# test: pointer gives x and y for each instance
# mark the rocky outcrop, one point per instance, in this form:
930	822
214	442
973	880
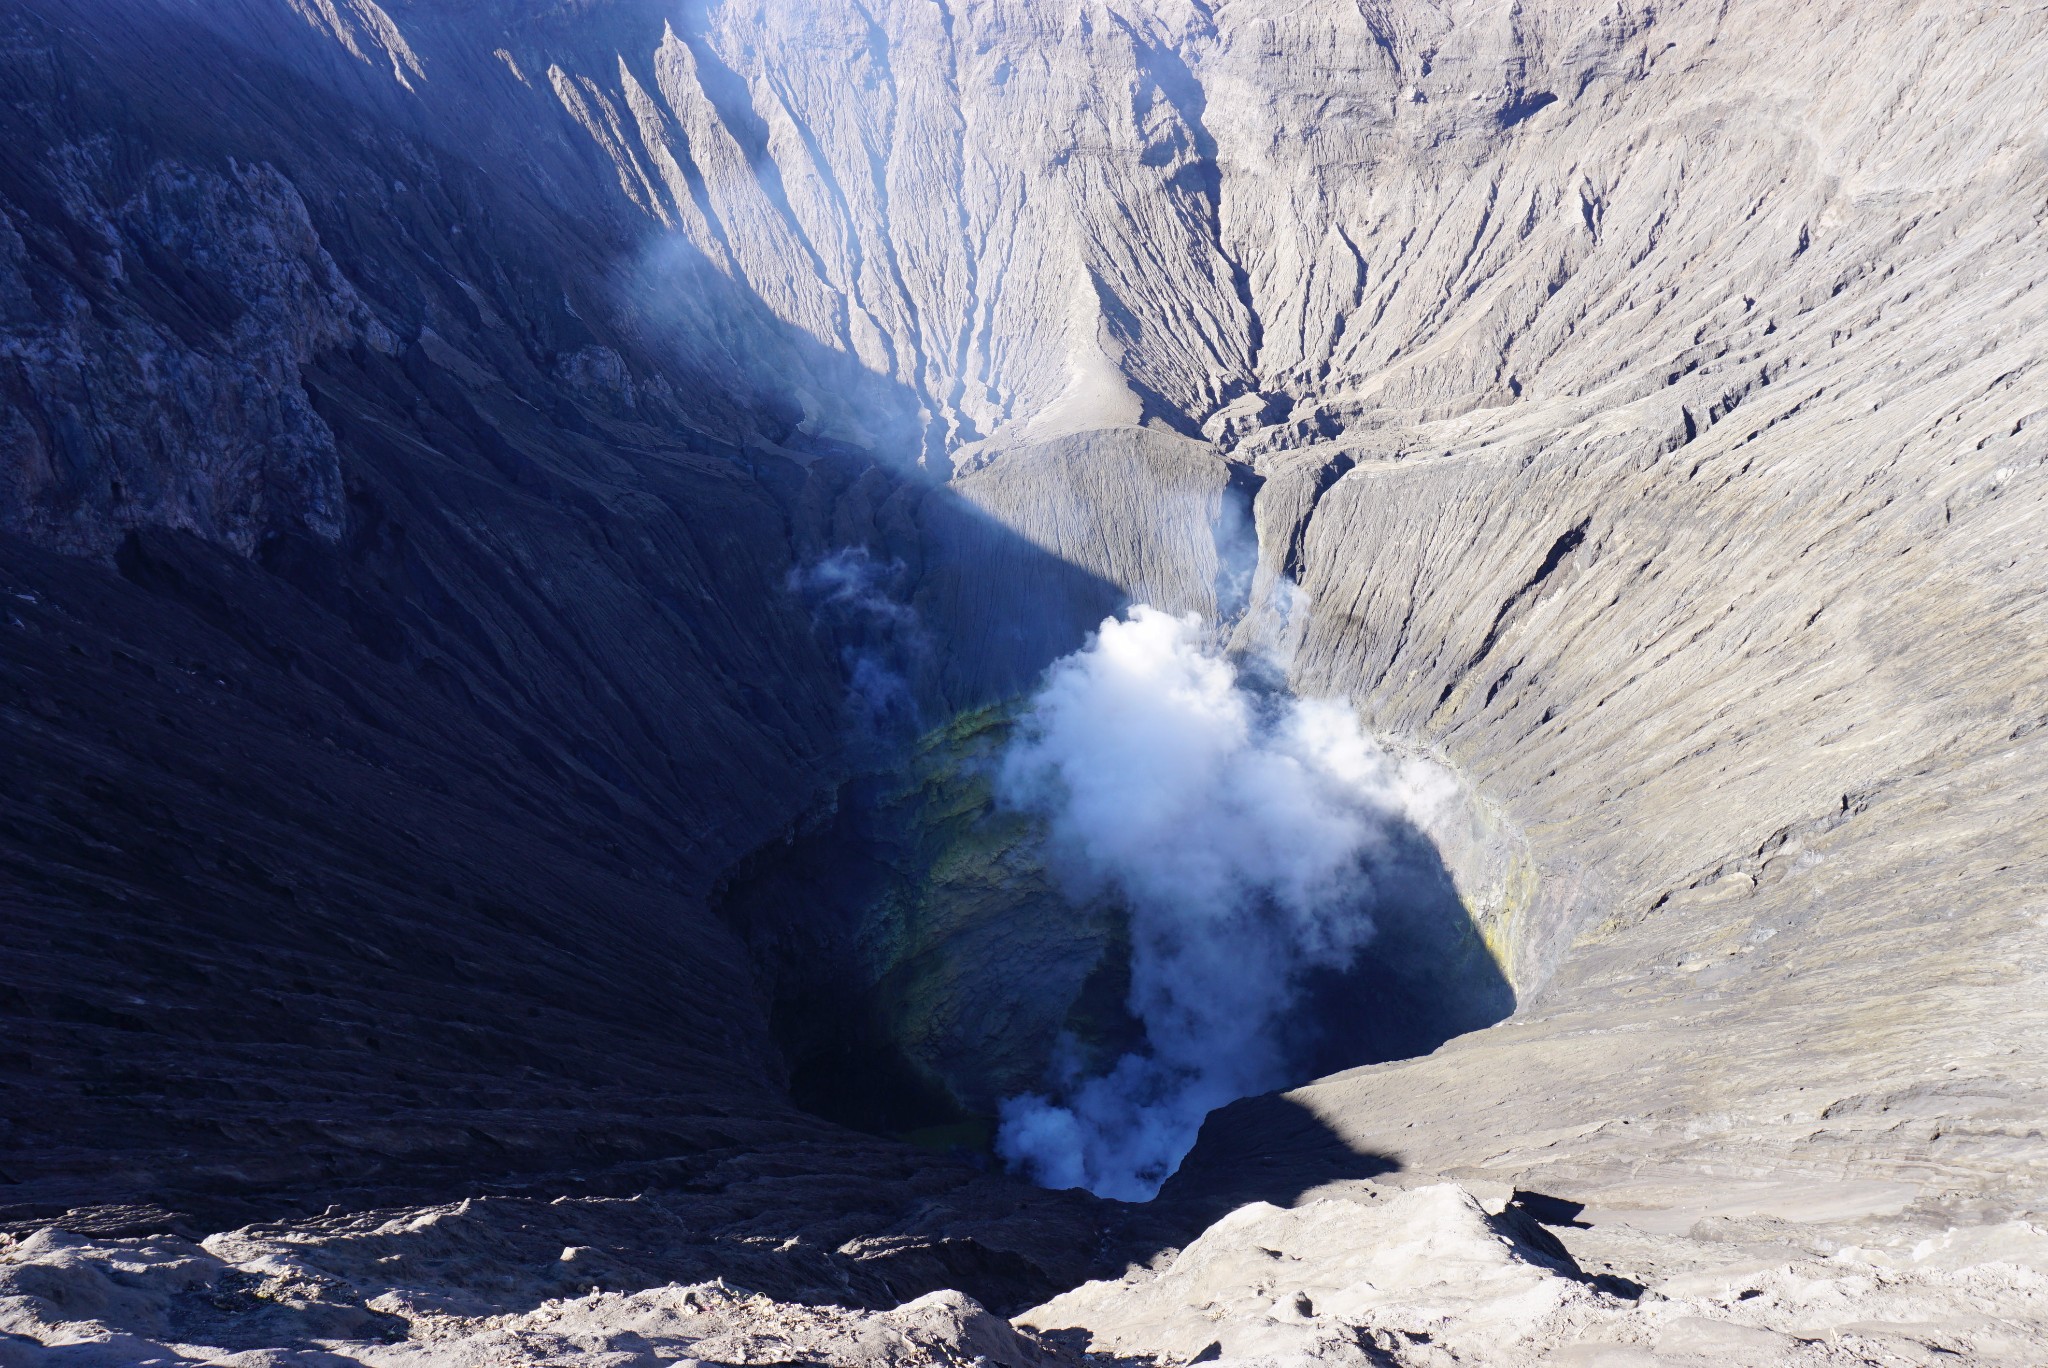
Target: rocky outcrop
244	1301
1369	1274
1433	1274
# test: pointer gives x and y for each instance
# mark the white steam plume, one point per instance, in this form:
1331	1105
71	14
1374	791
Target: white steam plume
1237	825
883	644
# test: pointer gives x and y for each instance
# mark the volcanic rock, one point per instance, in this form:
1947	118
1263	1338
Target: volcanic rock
418	421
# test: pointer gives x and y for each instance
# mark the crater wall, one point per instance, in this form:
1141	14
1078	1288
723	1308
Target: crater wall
415	413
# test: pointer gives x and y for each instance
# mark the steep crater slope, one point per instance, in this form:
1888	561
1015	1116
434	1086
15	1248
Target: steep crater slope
392	666
1649	407
415	415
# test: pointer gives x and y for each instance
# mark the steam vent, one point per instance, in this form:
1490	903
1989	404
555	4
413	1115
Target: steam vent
1023	683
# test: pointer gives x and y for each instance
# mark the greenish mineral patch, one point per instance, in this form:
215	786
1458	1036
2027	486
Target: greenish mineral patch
924	963
956	954
979	958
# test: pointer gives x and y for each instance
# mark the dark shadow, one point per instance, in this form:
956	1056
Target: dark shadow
1524	107
1269	1148
1424	978
1274	1149
1551	1211
374	870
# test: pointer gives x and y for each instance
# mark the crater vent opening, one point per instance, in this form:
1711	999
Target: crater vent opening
930	957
